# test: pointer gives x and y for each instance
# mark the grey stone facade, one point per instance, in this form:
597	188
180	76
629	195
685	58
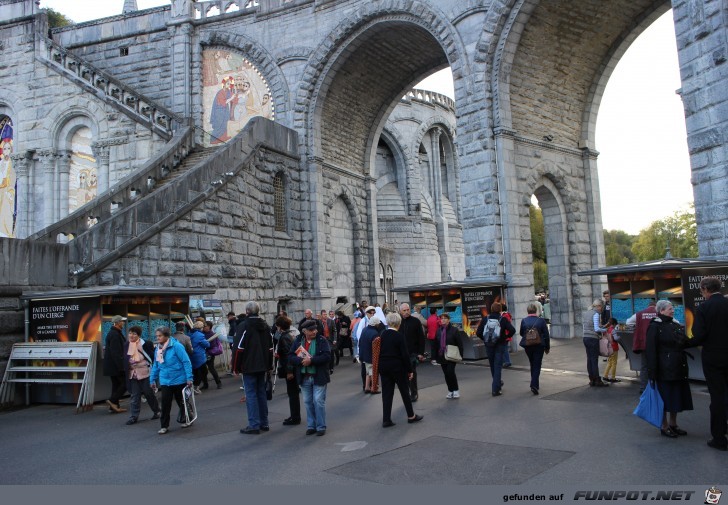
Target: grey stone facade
428	189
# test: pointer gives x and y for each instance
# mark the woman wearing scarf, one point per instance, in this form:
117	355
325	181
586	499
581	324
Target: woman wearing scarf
200	345
137	365
172	370
446	335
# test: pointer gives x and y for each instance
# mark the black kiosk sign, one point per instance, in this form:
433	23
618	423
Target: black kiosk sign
692	298
65	320
476	305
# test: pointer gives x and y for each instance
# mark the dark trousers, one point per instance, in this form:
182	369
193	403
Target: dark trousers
211	368
334	355
363	375
592	357
448	368
200	374
716	377
535	358
141	387
345	343
294	401
413	381
169	392
434	349
389	379
118	388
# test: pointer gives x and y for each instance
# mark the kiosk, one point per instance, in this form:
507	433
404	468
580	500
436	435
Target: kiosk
632	287
84	315
466	303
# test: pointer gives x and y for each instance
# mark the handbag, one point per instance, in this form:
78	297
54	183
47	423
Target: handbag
215	347
651	406
452	353
605	348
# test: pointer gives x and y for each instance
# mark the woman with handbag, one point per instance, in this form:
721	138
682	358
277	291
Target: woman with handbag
667	366
395	368
138	367
447	336
286	337
536	341
215	349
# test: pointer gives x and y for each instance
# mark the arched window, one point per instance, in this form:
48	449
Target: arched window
279	202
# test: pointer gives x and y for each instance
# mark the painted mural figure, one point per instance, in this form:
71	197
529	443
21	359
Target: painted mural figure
222	109
7	180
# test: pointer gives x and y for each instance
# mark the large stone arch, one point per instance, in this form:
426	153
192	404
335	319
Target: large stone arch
258	56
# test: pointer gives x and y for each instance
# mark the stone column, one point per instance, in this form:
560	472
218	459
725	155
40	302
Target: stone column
376	292
180	32
436	169
596	234
102	154
64	168
314	233
47	159
21	162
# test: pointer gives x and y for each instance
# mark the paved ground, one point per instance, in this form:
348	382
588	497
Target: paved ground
570	434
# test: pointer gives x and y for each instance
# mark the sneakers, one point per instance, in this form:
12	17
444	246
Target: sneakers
186	425
455	395
449	396
163	431
434	362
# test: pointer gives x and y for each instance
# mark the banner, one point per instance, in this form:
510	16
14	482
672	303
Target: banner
691	278
65	320
476	304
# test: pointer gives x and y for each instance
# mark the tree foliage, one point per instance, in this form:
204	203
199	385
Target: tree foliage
56	19
679	230
538	248
618	247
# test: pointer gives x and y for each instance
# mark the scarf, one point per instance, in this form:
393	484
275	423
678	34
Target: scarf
443	340
160	352
133	352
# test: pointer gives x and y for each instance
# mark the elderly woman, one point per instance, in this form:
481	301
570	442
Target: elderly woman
137	366
535	352
592	331
286	336
667	365
172	370
395	368
446	335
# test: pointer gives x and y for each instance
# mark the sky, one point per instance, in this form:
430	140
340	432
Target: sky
640	134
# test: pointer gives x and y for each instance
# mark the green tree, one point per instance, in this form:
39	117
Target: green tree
679	230
618	247
538	248
56	19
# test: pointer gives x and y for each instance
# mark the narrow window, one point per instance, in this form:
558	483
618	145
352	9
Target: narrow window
279	203
123	51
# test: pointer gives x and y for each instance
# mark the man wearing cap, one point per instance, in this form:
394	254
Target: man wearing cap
114	363
310	354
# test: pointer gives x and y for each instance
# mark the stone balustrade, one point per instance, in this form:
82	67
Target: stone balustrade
206	9
432	97
139	108
123	194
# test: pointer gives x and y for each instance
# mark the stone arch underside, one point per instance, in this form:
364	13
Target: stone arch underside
340	253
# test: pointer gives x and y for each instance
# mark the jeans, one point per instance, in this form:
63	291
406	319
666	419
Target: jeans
535	358
256	402
495	359
592	357
314	398
507	354
169	392
141	387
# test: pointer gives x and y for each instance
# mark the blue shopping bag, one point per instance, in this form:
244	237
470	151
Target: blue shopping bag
651	406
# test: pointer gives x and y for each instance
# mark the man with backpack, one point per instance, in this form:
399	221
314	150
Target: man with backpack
495	330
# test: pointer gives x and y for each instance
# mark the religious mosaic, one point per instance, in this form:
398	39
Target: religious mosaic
233	91
8	181
82	178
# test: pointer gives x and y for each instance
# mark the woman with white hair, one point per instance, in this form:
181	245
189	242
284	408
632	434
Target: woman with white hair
667	366
592	331
395	368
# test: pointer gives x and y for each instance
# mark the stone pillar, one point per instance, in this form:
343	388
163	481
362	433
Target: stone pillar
701	28
596	233
314	234
21	162
180	32
102	153
47	159
435	168
376	293
64	168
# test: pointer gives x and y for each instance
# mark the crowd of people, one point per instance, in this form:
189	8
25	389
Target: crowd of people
390	344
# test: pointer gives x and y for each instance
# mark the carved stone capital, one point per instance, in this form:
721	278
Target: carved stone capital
21	162
102	152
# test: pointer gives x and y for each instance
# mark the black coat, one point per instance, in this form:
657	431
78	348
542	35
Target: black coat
666	359
452	337
114	352
393	352
285	341
414	337
253	346
710	328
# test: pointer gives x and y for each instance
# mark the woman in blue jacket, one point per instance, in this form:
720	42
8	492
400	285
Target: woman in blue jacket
171	370
199	354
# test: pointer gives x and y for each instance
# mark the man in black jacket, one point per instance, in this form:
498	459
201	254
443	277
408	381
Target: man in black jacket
114	363
254	358
710	330
309	317
414	337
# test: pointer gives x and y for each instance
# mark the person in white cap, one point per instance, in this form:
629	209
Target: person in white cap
114	363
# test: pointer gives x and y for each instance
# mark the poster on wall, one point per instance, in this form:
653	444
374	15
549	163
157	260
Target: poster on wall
65	320
691	278
233	91
8	181
82	177
476	305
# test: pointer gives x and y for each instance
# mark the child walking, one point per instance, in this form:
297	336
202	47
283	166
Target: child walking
612	360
